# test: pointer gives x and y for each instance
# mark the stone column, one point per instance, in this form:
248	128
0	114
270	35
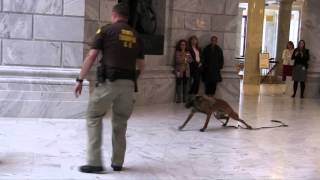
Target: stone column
310	33
253	45
283	31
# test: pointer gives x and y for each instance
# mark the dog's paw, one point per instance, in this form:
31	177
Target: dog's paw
249	127
202	130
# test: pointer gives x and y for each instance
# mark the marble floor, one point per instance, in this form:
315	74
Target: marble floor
54	148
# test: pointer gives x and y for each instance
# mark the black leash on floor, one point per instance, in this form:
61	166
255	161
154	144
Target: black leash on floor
281	124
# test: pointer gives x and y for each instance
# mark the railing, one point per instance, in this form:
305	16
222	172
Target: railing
265	72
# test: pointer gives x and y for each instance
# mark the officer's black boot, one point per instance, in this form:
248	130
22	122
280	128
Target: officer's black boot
302	86
116	168
91	169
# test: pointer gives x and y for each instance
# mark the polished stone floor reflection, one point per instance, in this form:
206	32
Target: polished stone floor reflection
54	148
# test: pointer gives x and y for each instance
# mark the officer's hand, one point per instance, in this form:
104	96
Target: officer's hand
77	89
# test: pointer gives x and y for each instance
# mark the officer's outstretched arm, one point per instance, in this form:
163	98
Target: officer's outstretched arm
88	62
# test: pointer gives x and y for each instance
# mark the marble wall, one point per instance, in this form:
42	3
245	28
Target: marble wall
41	50
310	32
34	32
42	44
205	18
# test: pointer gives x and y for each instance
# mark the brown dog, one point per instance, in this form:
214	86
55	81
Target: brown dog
209	106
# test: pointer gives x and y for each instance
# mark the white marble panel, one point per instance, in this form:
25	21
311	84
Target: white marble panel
230	41
70	28
37	53
170	55
229	58
13	95
203	36
310	32
177	19
31	71
228	89
224	23
92	9
232	7
38	86
106	9
33	6
312	86
72	54
177	34
206	38
44	109
200	6
15	26
73	7
0	51
195	21
157	91
90	29
155	60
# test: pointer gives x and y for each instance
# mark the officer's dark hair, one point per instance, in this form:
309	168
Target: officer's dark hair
121	9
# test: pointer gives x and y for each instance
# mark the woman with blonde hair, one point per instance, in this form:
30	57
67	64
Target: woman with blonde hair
286	58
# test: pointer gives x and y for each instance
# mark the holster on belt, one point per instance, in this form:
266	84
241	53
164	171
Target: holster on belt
137	74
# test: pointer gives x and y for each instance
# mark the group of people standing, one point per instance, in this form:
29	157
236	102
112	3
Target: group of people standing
193	64
295	63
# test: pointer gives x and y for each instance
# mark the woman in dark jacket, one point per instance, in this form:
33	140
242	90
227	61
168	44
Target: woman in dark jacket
299	73
195	71
212	64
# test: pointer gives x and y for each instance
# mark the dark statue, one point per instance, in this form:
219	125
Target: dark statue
142	16
143	19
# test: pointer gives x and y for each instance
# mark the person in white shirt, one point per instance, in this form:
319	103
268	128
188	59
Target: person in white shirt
287	62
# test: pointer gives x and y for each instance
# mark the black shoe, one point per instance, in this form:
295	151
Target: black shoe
293	96
301	96
91	169
116	168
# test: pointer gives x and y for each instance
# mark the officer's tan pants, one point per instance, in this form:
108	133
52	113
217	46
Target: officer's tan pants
119	95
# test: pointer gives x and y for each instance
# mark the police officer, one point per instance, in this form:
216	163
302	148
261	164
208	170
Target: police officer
121	52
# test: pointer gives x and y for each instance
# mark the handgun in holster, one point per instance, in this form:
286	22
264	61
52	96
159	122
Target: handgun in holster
101	72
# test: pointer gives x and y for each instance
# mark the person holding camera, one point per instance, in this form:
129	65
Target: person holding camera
182	71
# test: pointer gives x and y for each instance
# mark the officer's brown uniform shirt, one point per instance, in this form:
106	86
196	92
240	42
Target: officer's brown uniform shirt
120	45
